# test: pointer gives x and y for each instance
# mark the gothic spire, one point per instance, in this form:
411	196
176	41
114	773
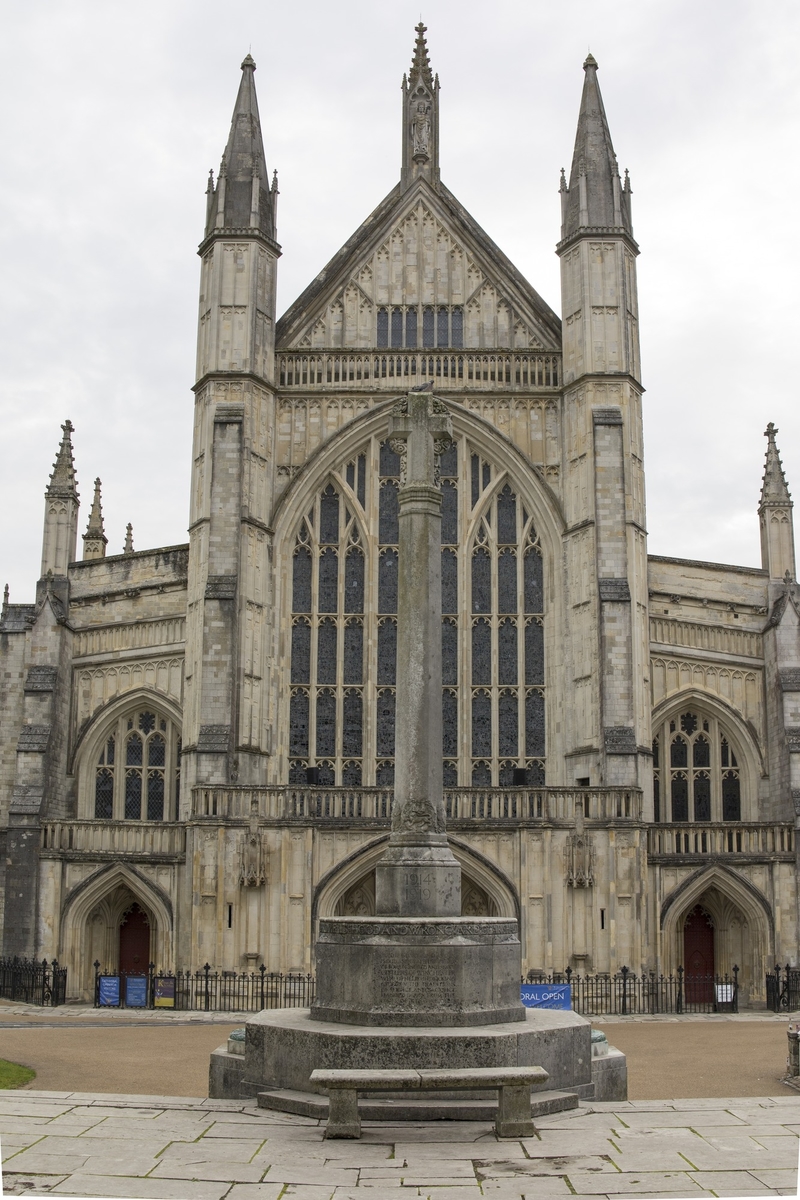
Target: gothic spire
774	490
420	117
63	482
242	198
596	197
128	547
95	540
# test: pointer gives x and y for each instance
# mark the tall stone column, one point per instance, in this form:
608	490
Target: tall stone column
419	875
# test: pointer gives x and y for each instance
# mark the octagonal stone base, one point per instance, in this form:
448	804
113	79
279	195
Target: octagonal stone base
283	1046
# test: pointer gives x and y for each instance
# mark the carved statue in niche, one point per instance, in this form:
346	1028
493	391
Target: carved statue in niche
580	861
253	869
421	128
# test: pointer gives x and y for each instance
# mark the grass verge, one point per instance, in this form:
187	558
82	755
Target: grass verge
12	1075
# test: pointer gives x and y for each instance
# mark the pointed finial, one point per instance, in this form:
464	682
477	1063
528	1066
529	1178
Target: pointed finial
247	61
95	540
62	479
96	515
5	599
275	182
128	547
590	61
210	187
626	187
420	64
774	489
563	185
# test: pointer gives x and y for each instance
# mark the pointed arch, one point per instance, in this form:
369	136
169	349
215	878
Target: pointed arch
732	900
97	894
314	732
732	723
106	720
475	866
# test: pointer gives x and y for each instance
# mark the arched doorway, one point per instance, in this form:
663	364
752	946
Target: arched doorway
115	915
134	941
698	955
741	925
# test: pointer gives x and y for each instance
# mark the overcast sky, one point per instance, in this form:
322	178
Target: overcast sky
113	113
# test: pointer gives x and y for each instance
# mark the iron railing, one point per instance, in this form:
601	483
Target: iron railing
783	989
462	804
394	369
205	990
33	982
627	994
622	993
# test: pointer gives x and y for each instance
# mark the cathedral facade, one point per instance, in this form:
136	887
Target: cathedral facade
197	752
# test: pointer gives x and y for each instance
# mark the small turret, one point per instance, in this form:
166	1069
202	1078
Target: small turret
95	540
596	197
62	501
420	117
775	514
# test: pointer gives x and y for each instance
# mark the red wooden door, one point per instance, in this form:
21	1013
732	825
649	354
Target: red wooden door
134	942
698	956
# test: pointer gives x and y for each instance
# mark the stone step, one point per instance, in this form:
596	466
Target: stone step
309	1104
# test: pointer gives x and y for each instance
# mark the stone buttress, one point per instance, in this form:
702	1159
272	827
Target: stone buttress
226	726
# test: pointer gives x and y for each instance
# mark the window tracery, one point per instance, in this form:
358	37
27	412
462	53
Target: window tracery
137	770
696	774
343	643
397	327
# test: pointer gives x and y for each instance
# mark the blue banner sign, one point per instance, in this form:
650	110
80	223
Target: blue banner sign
136	991
546	995
109	991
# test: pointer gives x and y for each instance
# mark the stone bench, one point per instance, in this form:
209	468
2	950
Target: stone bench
513	1085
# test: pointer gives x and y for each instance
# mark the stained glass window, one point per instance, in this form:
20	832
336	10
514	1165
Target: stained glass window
343	646
700	779
146	783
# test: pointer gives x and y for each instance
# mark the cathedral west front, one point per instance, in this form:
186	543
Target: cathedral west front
197	752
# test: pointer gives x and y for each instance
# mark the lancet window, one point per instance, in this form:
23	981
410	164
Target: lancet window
343	654
327	651
432	326
137	770
696	772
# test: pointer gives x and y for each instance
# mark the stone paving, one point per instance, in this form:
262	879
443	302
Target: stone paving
162	1148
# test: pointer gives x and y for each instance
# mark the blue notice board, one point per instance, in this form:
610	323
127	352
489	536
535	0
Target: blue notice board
547	995
136	991
109	991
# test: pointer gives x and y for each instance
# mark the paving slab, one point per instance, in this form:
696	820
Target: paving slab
27	1185
189	1149
255	1191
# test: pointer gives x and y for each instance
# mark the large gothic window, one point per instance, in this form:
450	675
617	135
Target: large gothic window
696	774
137	771
344	627
327	651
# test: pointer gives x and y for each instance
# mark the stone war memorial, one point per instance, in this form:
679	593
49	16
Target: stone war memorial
412	714
405	996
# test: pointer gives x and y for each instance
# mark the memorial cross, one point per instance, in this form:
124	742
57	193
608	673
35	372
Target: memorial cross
419	875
